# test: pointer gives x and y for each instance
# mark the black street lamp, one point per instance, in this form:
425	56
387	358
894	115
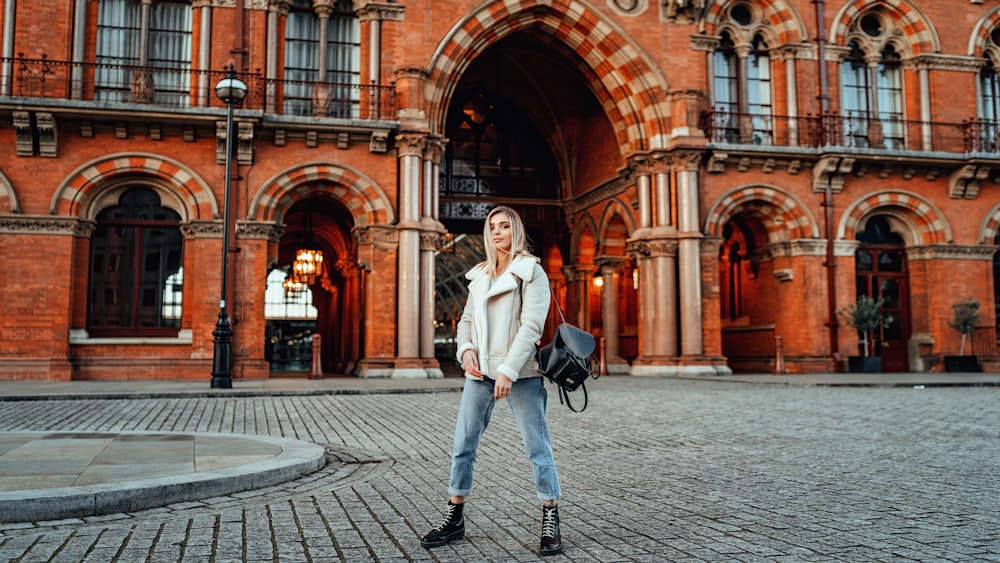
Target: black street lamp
230	90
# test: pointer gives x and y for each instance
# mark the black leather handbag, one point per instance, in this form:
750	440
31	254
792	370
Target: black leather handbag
568	360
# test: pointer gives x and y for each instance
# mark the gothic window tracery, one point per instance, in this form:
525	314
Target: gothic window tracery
330	89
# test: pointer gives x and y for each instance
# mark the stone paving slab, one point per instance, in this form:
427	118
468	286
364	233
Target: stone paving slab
57	475
656	469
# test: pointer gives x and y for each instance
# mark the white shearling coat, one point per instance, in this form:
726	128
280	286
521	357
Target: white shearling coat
504	341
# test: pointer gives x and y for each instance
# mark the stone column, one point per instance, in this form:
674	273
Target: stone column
430	238
610	271
205	87
276	11
79	46
689	252
410	149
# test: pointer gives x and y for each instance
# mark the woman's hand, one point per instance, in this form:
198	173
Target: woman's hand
501	388
470	363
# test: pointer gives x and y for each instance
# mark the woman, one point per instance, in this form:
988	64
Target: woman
503	319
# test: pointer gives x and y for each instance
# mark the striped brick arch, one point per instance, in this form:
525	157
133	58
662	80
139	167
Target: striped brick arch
627	85
85	183
928	221
781	21
981	33
915	26
781	214
615	226
8	198
362	197
991	226
584	240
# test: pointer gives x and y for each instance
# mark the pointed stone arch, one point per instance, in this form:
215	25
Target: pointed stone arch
782	214
928	223
79	190
627	84
918	33
610	233
585	227
779	21
362	196
8	197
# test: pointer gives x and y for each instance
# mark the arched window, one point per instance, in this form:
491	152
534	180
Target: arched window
742	91
986	134
120	25
332	90
136	275
872	99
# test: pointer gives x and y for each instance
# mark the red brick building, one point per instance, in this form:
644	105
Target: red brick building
708	183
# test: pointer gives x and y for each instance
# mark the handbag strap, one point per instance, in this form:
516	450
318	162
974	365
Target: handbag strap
562	318
564	393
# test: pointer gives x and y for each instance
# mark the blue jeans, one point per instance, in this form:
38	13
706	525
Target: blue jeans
527	402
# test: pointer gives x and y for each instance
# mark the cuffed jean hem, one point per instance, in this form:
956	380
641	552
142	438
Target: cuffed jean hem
527	402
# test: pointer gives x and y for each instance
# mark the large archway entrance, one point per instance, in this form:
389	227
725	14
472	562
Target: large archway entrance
297	308
519	120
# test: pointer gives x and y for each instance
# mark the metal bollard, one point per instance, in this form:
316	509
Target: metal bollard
779	356
317	359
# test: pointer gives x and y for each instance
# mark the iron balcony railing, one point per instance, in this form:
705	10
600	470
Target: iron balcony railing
853	130
108	85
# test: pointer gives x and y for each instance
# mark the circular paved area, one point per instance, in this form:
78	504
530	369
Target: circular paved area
654	470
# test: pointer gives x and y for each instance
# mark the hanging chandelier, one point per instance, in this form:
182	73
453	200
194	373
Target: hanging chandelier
292	287
308	266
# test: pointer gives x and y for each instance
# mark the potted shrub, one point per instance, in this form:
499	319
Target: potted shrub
866	316
965	317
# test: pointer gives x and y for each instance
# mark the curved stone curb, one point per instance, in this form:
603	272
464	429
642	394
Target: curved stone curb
297	458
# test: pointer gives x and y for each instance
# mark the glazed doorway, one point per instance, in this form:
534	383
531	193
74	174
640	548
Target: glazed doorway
881	272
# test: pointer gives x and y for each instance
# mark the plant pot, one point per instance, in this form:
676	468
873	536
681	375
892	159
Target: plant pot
961	363
864	364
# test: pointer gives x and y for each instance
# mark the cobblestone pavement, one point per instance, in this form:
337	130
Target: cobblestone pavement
653	470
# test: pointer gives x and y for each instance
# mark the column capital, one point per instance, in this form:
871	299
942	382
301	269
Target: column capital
434	149
368	10
609	264
411	144
649	163
281	7
578	272
685	161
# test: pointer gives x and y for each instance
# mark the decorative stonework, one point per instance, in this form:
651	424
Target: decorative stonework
379	142
964	183
831	170
46	125
429	240
244	143
45	225
259	230
792	248
377	235
23	137
606	191
683	11
984	252
202	229
410	144
368	10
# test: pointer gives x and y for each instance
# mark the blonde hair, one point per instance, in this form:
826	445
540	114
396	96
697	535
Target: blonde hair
519	240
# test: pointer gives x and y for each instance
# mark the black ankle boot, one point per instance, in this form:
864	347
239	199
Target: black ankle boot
451	528
551	538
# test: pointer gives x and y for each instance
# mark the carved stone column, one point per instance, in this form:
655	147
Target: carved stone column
578	282
689	252
610	271
410	149
275	9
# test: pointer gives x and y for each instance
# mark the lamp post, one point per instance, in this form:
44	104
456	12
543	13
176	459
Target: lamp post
230	90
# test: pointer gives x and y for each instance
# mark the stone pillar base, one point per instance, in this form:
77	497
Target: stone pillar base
678	366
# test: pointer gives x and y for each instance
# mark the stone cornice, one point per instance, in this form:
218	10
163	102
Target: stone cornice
937	61
202	229
45	225
601	193
369	10
800	247
259	230
952	252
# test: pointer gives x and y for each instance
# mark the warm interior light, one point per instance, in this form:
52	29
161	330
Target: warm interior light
308	266
292	287
598	281
635	278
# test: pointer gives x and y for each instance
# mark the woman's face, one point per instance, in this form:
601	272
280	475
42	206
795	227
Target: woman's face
500	231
